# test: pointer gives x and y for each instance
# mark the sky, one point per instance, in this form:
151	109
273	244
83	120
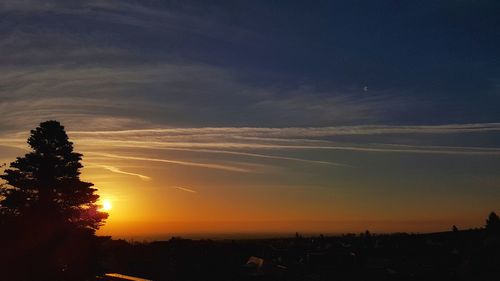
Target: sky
203	117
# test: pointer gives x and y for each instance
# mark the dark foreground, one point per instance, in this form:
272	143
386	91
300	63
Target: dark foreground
459	255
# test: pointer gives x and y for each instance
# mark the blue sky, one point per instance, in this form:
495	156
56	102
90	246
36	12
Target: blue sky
268	63
379	92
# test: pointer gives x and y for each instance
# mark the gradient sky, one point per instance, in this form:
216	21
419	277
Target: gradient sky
264	116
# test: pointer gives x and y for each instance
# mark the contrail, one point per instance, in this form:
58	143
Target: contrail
185	163
184	189
117	170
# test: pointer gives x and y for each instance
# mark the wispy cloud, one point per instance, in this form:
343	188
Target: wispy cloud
105	89
119	171
214	147
259	156
14	143
148	94
293	132
211	148
247	141
231	140
177	162
184	189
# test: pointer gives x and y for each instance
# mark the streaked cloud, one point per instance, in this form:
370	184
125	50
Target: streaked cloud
177	162
294	132
184	189
116	96
119	171
253	141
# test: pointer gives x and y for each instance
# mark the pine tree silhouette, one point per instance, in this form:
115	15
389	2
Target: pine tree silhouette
493	223
48	215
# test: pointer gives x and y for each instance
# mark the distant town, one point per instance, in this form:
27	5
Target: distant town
472	254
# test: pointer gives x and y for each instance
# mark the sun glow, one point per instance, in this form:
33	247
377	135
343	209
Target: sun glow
106	205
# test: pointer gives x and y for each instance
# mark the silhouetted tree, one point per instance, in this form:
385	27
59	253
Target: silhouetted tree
49	216
454	228
493	223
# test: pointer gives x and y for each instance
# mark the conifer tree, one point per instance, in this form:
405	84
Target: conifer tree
48	216
46	182
493	223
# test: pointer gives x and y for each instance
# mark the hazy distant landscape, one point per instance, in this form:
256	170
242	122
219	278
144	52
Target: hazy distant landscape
456	255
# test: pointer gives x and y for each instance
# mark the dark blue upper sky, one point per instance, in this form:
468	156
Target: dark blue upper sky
439	59
432	62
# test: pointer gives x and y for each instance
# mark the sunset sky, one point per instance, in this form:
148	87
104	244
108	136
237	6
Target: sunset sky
197	118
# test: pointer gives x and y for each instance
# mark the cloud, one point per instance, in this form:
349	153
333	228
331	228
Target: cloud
258	155
145	59
214	147
155	16
55	72
119	171
199	148
27	5
177	162
305	132
106	86
169	93
14	143
184	189
251	141
70	94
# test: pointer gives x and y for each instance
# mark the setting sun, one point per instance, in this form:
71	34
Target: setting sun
106	205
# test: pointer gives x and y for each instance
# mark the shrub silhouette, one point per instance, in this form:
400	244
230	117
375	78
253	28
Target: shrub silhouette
48	216
493	223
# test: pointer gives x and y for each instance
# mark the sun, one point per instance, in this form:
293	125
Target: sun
106	205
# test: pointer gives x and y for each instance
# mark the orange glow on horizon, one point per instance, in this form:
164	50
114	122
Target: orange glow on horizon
156	200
